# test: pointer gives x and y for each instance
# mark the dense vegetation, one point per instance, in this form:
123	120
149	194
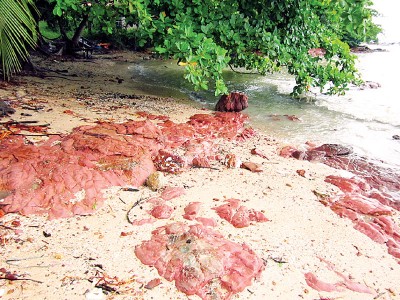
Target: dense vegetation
207	36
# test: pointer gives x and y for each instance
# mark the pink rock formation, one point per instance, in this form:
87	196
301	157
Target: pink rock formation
200	260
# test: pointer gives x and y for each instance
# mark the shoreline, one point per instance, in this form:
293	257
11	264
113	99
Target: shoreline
68	256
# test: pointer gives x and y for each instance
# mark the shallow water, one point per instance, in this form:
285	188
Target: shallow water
363	119
366	119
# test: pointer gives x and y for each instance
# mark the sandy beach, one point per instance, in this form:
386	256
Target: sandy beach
93	256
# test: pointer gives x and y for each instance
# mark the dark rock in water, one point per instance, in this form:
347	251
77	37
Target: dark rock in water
333	150
233	102
380	178
321	152
309	155
396	137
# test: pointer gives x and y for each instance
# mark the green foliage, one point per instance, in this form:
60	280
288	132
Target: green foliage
47	32
206	36
17	34
351	20
258	35
102	14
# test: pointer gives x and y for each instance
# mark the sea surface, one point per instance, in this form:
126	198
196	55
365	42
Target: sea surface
365	120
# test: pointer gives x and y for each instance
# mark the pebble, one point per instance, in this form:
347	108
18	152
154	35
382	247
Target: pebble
156	181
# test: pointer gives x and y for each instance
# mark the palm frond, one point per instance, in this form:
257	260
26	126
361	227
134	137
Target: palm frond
17	34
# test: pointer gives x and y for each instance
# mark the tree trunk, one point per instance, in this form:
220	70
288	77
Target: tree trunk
79	30
61	25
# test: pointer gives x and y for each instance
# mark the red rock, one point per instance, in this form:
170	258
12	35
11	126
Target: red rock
201	162
156	201
393	248
245	134
124	233
223	124
385	198
170	193
95	157
253	167
388	225
371	231
176	135
239	216
232	161
363	205
370	194
146	128
233	102
170	163
383	179
153	283
191	210
258	152
143	221
257	216
287	151
354	286
302	173
200	260
345	212
69	112
162	211
206	221
228	210
333	150
348	185
319	285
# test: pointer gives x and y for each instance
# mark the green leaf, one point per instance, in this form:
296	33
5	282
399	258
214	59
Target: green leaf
57	11
160	50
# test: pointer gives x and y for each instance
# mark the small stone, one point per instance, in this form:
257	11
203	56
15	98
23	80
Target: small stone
253	167
46	234
232	161
156	181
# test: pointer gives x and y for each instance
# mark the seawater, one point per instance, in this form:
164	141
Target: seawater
365	120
